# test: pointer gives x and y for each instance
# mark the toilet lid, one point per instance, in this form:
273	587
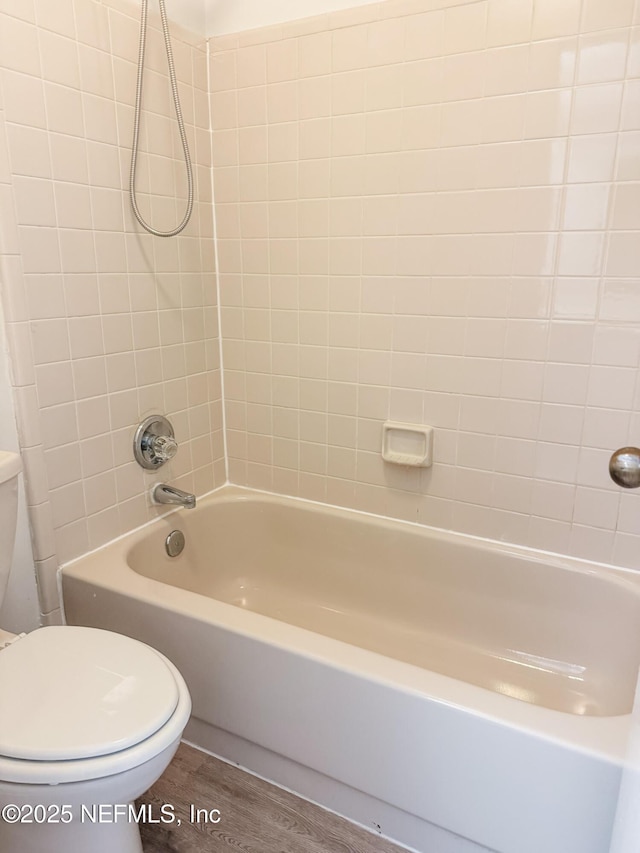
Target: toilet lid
70	692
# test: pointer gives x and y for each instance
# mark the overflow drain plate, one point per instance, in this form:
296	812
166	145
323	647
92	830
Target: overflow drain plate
174	543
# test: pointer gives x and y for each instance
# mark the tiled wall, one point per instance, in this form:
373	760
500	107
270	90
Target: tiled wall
429	211
105	324
426	211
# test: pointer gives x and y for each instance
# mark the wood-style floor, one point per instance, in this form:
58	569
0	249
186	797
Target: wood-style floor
255	817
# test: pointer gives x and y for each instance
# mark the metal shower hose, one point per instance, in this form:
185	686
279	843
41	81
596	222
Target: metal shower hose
136	123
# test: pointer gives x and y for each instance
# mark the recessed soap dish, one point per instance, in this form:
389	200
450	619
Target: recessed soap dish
407	444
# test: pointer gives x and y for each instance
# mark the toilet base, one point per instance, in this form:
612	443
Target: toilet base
74	837
102	812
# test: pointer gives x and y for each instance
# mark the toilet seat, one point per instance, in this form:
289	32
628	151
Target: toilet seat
134	704
71	692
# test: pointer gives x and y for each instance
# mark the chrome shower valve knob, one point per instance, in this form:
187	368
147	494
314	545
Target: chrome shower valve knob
164	447
154	442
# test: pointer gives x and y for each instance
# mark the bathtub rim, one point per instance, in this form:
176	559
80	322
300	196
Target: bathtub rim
107	568
231	492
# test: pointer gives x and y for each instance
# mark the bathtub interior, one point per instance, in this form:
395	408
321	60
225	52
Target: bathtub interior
555	634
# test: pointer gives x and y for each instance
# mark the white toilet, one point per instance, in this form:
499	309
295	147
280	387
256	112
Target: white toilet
89	720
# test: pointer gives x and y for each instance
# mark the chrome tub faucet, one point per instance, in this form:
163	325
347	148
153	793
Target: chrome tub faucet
163	494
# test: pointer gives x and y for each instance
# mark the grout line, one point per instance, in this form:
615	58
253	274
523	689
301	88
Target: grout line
223	404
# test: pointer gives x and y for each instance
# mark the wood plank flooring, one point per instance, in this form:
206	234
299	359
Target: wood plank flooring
255	816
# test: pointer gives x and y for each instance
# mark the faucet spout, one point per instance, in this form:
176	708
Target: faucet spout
163	494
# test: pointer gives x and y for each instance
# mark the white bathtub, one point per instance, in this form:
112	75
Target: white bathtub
452	693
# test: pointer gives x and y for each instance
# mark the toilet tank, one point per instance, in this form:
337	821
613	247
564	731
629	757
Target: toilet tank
10	467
